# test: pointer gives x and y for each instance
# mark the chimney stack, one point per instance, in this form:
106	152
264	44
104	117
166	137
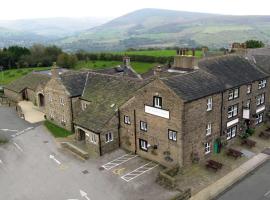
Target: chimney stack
185	61
157	71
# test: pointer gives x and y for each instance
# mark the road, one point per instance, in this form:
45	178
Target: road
33	166
254	187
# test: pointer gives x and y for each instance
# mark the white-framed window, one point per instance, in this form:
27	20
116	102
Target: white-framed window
233	94
84	106
143	126
50	97
259	118
249	88
209	129
260	99
51	114
231	132
232	111
248	104
63	119
127	119
108	137
172	135
61	101
143	145
93	138
207	148
262	84
209	104
157	102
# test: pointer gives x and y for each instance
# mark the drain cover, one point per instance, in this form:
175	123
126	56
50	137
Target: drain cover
85	171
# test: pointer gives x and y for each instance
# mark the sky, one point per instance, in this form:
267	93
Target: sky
25	9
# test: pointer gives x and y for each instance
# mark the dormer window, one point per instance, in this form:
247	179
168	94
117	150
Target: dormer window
157	101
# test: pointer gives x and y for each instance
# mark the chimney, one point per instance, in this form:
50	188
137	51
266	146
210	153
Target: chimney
157	71
126	61
185	61
55	71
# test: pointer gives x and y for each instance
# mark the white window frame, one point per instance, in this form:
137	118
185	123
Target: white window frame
209	104
108	137
63	119
233	111
172	135
233	94
209	129
231	132
248	103
62	101
157	102
207	148
143	126
93	138
127	119
143	145
262	84
249	88
259	118
51	114
50	97
260	99
84	106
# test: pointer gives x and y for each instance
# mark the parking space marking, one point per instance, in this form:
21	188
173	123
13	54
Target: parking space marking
139	171
119	171
267	194
17	146
118	161
21	132
8	130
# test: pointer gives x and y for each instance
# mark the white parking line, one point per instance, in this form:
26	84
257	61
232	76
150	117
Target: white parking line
21	132
139	171
267	194
8	130
118	161
17	146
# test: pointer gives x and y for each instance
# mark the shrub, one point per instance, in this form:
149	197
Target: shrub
250	131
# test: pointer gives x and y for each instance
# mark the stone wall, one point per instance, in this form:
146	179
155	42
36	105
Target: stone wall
12	96
196	120
162	150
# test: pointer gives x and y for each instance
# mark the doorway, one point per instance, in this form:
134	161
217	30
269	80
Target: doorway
24	95
81	135
41	100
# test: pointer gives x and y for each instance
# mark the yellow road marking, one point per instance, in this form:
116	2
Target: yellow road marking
119	171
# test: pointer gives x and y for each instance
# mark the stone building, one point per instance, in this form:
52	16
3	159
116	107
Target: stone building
177	120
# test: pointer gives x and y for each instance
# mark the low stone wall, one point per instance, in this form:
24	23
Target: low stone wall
167	179
183	195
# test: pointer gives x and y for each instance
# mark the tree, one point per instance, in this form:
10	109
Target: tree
67	61
254	44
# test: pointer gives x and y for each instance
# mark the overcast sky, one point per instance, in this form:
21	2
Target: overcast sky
20	9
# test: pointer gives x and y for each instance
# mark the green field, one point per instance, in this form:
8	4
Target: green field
156	53
139	67
13	74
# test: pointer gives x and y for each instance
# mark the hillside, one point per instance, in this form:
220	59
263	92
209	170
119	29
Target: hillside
161	28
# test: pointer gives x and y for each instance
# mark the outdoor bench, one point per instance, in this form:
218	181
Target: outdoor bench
248	142
234	153
214	165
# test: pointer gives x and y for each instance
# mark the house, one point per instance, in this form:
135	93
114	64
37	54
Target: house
98	123
180	119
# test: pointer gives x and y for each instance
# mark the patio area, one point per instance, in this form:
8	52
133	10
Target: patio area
30	112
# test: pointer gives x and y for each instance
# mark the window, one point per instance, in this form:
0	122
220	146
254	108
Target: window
233	94
209	103
249	89
51	115
248	104
61	101
63	120
50	97
209	129
143	145
84	105
232	111
143	126
231	132
126	119
259	118
172	135
260	99
108	137
207	148
262	84
93	138
157	102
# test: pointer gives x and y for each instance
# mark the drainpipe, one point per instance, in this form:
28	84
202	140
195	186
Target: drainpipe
135	131
71	109
100	154
221	117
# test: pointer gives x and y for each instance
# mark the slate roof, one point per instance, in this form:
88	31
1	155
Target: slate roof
105	94
260	57
215	75
119	71
31	81
74	82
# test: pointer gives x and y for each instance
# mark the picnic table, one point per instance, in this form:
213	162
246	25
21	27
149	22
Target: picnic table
265	134
248	142
214	165
234	153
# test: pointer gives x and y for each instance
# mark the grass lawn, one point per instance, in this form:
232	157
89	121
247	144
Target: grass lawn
57	131
8	76
156	53
139	67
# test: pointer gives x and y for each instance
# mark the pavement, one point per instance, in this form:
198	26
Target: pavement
31	112
33	166
231	178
